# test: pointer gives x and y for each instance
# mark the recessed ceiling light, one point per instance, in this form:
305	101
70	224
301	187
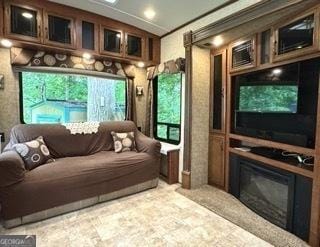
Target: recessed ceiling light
149	13
217	41
6	43
111	1
140	64
86	55
27	15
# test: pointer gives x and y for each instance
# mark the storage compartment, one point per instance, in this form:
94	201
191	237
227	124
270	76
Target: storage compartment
134	46
23	23
88	35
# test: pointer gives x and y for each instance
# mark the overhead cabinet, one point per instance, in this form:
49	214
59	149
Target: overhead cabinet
111	42
243	54
88	36
23	22
59	30
31	23
135	46
297	37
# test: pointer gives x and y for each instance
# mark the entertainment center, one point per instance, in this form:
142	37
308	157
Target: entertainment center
264	139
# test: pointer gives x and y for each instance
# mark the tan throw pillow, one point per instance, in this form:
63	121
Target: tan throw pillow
34	153
123	142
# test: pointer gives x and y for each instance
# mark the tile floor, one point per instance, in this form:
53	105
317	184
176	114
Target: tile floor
157	217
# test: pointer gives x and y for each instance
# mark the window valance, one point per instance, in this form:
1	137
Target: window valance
26	57
170	67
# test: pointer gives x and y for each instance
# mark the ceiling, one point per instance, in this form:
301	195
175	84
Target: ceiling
170	14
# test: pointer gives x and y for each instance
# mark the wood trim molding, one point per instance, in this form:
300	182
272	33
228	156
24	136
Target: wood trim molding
314	238
260	9
186	181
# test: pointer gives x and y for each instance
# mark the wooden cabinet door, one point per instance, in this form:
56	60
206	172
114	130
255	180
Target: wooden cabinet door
59	30
297	37
218	91
216	169
111	41
23	22
243	54
135	46
153	50
88	36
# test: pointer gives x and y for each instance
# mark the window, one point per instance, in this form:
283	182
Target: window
167	107
65	98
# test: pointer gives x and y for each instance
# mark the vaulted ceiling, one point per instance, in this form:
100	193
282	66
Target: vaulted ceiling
170	14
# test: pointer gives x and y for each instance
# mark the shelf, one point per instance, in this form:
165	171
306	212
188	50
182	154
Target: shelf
274	163
272	144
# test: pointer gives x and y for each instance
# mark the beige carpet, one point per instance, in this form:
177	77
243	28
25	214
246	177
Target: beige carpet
233	210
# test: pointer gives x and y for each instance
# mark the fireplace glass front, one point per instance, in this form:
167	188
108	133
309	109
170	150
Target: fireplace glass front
267	193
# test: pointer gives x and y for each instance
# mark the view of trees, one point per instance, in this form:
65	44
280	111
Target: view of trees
169	104
42	87
269	98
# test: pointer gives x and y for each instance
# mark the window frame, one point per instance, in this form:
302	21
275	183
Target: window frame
155	114
21	106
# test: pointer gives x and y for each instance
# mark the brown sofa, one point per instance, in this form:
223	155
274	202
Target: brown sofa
86	171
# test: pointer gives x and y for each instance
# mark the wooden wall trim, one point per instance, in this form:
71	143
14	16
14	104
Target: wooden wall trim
258	10
314	239
188	112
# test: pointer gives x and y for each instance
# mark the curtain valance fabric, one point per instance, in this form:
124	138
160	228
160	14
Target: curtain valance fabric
26	57
170	67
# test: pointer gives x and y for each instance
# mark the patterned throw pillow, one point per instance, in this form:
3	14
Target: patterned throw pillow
123	142
34	153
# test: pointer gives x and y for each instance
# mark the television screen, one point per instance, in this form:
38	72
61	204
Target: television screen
268	98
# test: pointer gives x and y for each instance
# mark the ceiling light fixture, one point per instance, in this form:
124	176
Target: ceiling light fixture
27	15
86	55
111	1
149	13
217	41
140	64
6	43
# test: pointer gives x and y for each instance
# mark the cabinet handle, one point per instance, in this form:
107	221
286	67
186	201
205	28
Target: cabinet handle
47	33
275	48
121	48
39	31
126	48
221	146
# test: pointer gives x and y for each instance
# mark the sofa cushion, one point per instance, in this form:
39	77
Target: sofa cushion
34	153
123	142
76	178
62	143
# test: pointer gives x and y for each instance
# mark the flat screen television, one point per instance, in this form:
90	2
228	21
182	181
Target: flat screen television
278	104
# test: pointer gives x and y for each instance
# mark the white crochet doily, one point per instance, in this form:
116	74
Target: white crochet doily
82	128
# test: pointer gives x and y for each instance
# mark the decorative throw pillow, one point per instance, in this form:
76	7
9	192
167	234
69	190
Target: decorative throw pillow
123	142
34	153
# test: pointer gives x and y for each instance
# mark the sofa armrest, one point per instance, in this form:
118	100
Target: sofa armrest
147	144
12	168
